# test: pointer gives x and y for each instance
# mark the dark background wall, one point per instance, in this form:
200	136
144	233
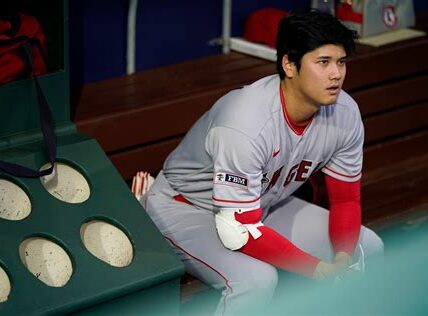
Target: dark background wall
167	32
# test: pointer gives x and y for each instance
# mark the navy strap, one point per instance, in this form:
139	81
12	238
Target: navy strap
47	126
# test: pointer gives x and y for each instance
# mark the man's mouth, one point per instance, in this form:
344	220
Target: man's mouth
333	89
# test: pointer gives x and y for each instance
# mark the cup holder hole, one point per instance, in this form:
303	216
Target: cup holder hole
46	260
107	242
66	183
5	286
14	202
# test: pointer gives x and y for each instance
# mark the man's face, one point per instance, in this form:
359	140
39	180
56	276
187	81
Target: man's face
321	74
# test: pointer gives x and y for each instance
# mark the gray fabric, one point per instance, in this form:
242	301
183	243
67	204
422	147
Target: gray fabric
246	284
247	134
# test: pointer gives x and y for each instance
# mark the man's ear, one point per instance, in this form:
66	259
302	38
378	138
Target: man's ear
288	67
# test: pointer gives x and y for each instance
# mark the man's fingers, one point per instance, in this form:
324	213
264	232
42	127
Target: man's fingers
141	183
133	186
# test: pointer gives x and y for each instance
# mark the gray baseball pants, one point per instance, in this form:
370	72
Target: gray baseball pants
245	283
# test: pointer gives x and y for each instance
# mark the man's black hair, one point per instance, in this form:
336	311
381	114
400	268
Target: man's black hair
300	33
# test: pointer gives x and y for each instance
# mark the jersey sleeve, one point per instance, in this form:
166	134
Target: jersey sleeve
347	161
237	170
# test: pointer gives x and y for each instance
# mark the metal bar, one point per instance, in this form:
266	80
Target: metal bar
227	16
130	49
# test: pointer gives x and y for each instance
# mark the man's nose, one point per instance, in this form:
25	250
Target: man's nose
335	72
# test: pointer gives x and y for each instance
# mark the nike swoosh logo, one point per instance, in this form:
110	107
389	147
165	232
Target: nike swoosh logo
275	153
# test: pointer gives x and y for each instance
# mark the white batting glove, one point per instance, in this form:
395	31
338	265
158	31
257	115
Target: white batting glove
141	183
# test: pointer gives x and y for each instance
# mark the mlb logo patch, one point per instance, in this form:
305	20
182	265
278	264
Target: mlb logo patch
230	179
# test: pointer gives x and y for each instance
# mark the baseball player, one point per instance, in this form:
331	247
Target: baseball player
224	199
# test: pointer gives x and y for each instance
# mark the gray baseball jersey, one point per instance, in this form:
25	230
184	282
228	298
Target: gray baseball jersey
244	152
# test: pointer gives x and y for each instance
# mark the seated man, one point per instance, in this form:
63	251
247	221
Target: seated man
224	199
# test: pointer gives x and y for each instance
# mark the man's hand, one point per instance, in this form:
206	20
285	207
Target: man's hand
325	270
342	260
141	183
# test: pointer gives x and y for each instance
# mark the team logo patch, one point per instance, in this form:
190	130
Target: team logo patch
389	16
231	179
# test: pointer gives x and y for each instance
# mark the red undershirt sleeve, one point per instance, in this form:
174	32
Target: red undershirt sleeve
345	213
273	248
